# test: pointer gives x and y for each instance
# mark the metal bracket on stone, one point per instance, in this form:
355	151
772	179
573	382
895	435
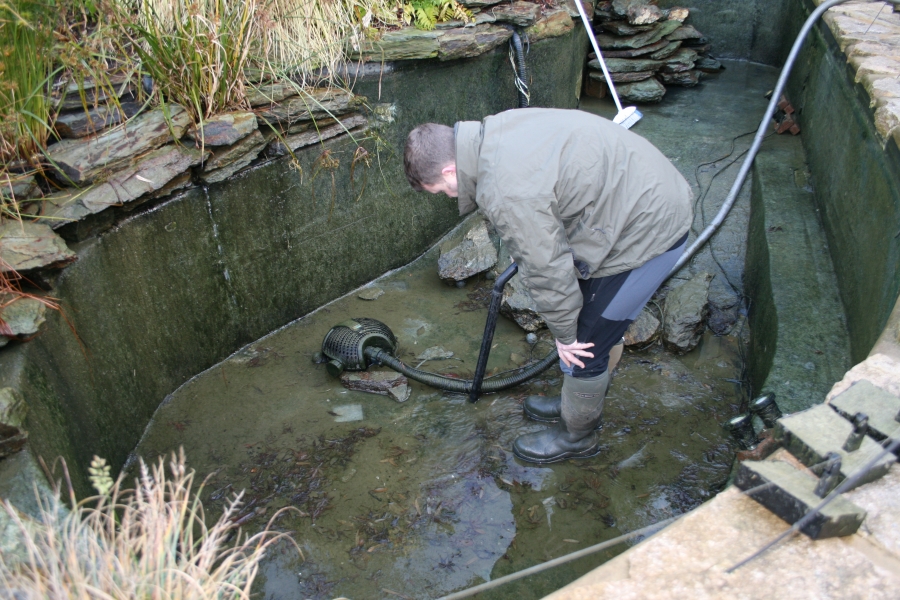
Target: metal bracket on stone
791	494
814	433
881	407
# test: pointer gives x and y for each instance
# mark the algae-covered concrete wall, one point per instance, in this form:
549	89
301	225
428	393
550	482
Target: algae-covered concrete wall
856	175
753	30
176	288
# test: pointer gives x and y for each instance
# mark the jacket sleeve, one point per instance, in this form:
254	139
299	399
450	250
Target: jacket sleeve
534	234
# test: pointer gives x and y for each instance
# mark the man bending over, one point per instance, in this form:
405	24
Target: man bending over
595	217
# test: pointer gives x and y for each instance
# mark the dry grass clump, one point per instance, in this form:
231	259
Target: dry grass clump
150	542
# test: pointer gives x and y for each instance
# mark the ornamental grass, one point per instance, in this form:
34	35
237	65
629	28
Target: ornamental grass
149	542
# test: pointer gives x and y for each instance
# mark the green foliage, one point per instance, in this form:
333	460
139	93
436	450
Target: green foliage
24	76
427	13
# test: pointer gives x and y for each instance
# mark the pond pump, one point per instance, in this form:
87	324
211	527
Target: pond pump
355	344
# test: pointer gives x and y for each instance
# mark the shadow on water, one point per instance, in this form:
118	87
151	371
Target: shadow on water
422	498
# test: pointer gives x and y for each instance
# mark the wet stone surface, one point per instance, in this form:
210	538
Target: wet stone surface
424	498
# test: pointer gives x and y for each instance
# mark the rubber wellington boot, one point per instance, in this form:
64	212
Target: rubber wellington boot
546	409
574	436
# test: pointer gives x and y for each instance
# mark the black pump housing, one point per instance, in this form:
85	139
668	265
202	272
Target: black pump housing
346	342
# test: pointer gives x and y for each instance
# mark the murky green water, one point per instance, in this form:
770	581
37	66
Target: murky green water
422	498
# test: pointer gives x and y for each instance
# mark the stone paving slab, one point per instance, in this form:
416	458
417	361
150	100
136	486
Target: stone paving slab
791	496
878	405
689	558
869	34
810	435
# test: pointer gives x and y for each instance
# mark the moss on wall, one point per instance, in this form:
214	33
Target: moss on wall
857	182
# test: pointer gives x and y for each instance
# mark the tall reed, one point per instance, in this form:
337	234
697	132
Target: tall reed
150	542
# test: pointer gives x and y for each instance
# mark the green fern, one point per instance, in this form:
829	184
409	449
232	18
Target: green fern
425	14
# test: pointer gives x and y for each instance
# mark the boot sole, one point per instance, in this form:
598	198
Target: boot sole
589	453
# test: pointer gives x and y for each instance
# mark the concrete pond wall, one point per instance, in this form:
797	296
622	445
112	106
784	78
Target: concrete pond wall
171	290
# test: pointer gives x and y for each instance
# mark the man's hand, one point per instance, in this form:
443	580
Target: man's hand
569	352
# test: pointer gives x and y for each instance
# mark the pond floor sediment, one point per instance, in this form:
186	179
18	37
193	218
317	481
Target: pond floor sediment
423	498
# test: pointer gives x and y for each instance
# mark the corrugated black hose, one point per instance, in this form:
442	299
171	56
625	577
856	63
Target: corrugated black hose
478	385
521	73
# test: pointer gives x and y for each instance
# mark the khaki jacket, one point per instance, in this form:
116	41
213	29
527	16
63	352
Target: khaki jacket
573	196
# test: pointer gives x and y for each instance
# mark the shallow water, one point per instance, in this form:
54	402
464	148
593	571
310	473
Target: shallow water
423	498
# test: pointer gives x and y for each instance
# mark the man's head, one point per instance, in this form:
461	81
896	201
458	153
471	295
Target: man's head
430	159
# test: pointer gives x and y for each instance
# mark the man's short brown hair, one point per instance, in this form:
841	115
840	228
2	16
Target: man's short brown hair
429	148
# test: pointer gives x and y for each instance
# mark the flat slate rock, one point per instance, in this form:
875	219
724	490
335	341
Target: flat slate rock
86	160
685	32
21	318
407	43
18	185
633	52
688	78
881	407
26	245
317	103
553	23
791	495
224	129
270	93
80	123
666	51
385	383
227	161
636	41
370	293
522	14
628	65
13	408
467	42
647	91
279	147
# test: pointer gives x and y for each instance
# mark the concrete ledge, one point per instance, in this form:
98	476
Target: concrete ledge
689	558
798	340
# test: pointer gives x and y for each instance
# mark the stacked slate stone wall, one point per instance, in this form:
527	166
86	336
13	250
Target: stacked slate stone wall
645	49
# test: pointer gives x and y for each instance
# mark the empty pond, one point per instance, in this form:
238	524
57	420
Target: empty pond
422	498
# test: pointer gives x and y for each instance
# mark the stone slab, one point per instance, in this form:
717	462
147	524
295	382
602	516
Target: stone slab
224	129
280	147
690	559
312	104
80	122
636	41
89	159
882	408
811	434
553	23
407	43
225	162
522	14
791	495
25	245
467	42
648	90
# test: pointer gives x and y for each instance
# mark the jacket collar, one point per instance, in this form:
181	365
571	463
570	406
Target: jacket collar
468	147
